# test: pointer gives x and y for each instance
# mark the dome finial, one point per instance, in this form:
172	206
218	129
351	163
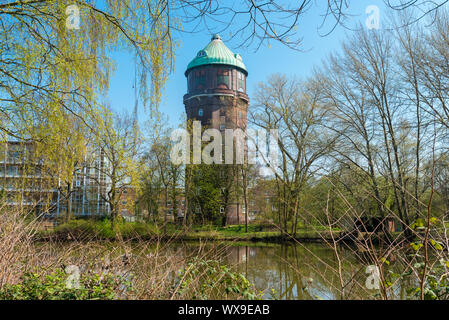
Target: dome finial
216	36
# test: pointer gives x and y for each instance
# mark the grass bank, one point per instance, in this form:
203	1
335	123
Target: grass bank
103	230
257	233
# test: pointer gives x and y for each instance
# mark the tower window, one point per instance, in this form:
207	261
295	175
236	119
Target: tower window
200	112
241	81
200	79
191	81
222	126
223	78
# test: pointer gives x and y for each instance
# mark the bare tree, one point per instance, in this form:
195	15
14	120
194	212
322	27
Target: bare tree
292	108
116	158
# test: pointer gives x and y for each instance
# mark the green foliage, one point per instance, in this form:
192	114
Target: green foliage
231	229
103	229
416	245
437	282
77	65
79	228
208	278
418	224
257	232
207	193
53	286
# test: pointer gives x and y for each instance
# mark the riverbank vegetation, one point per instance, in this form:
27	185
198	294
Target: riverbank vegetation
89	229
109	270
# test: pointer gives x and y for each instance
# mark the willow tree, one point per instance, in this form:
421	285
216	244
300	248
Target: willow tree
64	152
55	65
50	60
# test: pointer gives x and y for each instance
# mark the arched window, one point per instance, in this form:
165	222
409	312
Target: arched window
200	112
223	78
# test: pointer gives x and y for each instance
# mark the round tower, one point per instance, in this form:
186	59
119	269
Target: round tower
216	96
216	87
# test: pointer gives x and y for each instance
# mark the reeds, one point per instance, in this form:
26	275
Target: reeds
152	269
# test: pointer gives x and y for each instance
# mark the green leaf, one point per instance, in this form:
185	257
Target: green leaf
436	245
416	245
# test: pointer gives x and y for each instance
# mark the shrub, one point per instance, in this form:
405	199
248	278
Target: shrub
88	229
208	279
53	286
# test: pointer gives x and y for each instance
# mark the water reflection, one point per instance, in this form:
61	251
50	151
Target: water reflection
299	271
292	271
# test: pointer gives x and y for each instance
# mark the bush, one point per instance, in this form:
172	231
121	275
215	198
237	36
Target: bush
137	229
81	228
53	286
208	279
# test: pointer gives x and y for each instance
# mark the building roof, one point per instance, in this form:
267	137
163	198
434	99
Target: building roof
216	52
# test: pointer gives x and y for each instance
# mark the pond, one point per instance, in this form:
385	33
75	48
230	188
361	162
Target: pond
300	270
284	271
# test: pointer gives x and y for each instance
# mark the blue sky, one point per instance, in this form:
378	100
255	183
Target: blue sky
260	64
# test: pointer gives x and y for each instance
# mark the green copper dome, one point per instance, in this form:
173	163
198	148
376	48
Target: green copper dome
216	52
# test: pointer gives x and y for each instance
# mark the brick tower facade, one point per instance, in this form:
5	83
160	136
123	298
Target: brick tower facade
216	82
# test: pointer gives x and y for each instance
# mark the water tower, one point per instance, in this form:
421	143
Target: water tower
216	96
